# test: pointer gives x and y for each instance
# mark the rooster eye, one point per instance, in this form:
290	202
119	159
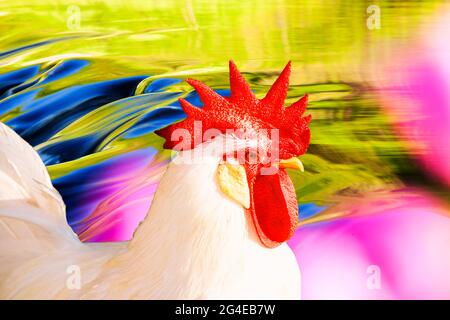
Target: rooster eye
251	156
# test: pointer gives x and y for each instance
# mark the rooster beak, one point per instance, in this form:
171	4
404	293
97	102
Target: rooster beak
292	163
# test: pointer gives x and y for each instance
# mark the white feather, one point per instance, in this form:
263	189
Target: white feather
36	244
196	243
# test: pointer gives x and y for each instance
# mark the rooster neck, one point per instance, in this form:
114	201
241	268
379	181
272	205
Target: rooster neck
197	243
189	204
190	229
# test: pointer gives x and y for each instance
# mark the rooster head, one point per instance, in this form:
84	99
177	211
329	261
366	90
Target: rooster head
253	175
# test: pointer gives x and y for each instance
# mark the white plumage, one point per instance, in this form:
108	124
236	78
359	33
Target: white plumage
195	242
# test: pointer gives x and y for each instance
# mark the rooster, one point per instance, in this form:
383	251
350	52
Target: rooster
217	227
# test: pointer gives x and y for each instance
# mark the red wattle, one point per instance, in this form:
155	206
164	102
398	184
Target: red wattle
274	208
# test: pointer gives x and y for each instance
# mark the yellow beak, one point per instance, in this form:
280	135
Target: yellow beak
292	163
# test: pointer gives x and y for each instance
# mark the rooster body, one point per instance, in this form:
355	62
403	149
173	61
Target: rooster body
194	243
217	227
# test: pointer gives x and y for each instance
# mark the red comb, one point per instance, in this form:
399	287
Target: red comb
242	110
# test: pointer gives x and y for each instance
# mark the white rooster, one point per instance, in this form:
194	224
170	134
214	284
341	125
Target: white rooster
216	228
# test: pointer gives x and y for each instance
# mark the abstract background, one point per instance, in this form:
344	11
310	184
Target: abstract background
87	83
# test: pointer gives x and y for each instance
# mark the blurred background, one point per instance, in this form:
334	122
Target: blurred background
87	82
